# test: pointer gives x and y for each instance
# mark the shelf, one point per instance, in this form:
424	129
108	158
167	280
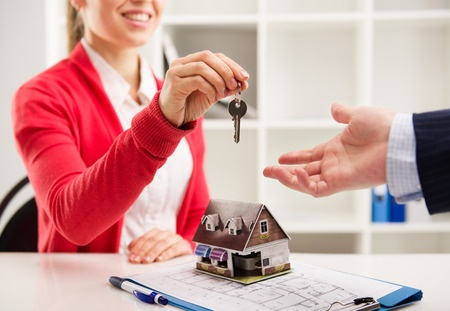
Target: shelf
322	61
228	124
324	19
336	243
330	226
312	6
234	22
410	228
401	16
406	56
411	242
206	8
231	168
305	124
410	5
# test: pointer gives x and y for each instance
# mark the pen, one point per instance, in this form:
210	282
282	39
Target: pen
140	292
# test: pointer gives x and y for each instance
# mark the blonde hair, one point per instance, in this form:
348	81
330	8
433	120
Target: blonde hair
75	27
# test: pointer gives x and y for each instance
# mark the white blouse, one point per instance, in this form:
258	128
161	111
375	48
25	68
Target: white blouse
158	204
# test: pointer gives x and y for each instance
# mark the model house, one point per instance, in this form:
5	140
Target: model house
238	239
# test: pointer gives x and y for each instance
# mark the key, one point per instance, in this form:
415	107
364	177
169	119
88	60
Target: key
237	109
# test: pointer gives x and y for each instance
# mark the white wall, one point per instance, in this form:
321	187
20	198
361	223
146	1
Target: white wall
22	55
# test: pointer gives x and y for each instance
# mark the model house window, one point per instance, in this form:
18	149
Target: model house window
211	222
264	226
234	225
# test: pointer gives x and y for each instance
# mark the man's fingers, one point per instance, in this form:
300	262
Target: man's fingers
286	175
295	157
303	156
341	113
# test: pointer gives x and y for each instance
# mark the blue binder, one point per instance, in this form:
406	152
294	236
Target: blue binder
381	208
397	211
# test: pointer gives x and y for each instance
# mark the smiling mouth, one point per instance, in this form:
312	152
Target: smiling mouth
137	17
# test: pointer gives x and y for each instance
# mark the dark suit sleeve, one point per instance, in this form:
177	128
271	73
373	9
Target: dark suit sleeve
432	130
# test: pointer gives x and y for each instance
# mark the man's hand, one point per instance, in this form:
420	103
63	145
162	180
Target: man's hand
354	159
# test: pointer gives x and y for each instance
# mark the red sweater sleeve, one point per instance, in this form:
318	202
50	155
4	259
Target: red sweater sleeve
85	171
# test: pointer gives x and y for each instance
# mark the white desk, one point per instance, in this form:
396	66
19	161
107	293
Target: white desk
31	281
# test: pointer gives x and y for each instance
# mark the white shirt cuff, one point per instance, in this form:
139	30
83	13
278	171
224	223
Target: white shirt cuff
401	167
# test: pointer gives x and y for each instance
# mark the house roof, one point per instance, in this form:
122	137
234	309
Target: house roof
226	209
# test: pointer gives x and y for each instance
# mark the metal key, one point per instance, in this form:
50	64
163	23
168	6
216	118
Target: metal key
237	109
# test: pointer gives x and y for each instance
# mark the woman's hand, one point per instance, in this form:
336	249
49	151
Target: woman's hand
157	245
195	82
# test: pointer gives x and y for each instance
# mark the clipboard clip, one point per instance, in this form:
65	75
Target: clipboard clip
369	301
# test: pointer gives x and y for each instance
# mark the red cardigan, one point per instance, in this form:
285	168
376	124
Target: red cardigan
85	170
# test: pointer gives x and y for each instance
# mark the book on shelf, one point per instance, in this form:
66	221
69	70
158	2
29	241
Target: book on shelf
384	206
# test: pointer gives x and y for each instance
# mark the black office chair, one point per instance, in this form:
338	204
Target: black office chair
20	232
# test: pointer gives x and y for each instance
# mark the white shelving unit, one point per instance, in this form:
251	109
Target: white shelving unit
303	55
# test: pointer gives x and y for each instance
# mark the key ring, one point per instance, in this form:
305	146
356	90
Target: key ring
237	96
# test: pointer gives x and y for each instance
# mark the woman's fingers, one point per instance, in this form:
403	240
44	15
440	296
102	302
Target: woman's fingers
157	245
220	69
194	82
239	73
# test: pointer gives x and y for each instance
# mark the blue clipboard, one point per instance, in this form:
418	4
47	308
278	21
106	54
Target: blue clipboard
401	297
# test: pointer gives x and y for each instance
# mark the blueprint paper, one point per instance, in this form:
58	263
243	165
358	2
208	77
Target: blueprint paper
306	288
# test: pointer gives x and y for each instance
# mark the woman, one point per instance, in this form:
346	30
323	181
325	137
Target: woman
114	156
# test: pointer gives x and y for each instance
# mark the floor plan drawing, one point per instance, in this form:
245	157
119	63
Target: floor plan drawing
306	288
